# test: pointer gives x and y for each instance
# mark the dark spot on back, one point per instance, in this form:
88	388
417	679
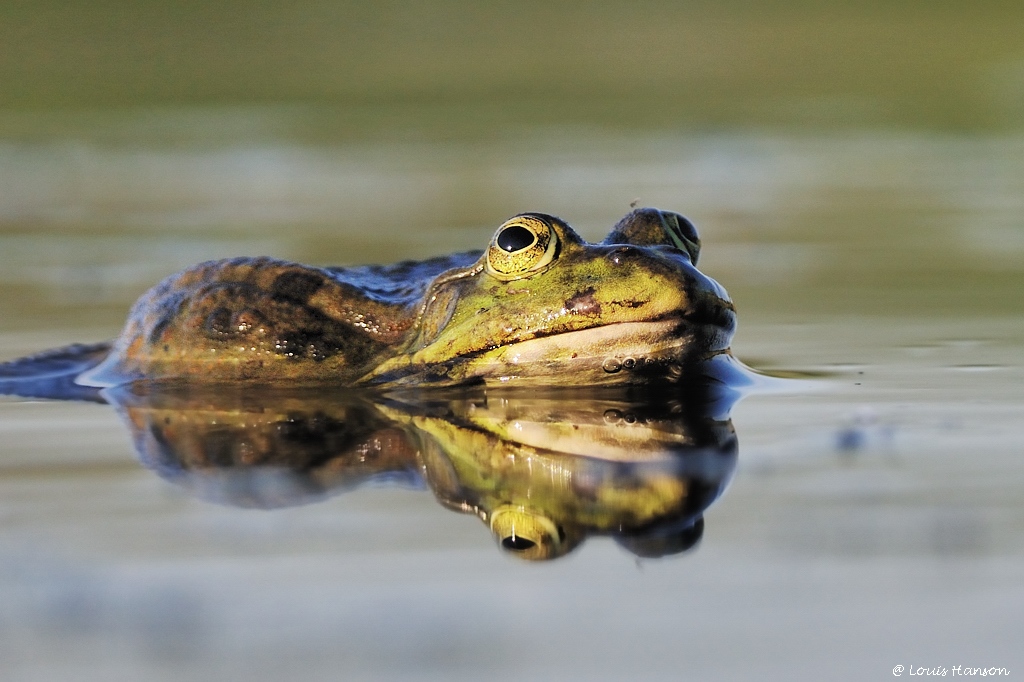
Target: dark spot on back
295	286
160	327
219	321
313	336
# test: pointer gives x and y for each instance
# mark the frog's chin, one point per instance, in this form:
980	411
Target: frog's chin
617	354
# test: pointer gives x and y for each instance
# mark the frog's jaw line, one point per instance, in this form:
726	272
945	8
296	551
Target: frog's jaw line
623	353
609	354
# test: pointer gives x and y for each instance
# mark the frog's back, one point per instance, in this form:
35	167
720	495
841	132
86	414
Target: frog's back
404	282
267	320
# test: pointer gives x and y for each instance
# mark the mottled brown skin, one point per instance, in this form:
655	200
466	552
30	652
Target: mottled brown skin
267	319
447	321
262	312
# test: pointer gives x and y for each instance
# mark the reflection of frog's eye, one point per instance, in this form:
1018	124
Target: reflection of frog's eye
527	534
521	247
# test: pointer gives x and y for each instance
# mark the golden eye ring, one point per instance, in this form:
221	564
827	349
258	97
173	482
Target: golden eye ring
522	246
527	534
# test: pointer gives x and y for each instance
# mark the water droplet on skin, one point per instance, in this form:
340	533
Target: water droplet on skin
629	363
611	365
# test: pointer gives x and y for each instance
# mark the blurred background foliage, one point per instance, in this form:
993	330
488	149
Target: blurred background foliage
839	157
456	68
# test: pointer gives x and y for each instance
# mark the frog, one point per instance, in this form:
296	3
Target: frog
539	306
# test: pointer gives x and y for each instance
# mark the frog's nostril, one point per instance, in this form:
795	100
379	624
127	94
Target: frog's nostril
620	253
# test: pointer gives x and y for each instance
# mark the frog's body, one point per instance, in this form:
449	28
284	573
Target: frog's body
538	307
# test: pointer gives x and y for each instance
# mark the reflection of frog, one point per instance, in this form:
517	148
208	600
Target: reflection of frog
542	471
265	449
539	307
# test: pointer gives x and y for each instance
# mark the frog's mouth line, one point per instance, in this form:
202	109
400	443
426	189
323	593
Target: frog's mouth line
616	346
612	354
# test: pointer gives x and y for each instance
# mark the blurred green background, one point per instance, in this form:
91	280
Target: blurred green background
456	68
840	158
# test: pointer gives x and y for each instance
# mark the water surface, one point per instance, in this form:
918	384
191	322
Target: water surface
875	514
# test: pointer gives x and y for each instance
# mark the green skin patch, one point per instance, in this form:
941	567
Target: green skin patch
539	306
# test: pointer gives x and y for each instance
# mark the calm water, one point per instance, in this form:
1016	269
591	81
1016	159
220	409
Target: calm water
874	517
862	206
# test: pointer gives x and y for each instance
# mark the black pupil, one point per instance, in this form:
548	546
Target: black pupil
515	238
517	543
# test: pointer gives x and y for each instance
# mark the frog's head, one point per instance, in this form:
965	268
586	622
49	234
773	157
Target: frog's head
543	307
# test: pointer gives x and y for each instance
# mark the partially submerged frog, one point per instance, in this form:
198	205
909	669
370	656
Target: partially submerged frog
539	306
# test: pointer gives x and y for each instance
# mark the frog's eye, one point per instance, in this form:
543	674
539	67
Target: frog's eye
521	247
